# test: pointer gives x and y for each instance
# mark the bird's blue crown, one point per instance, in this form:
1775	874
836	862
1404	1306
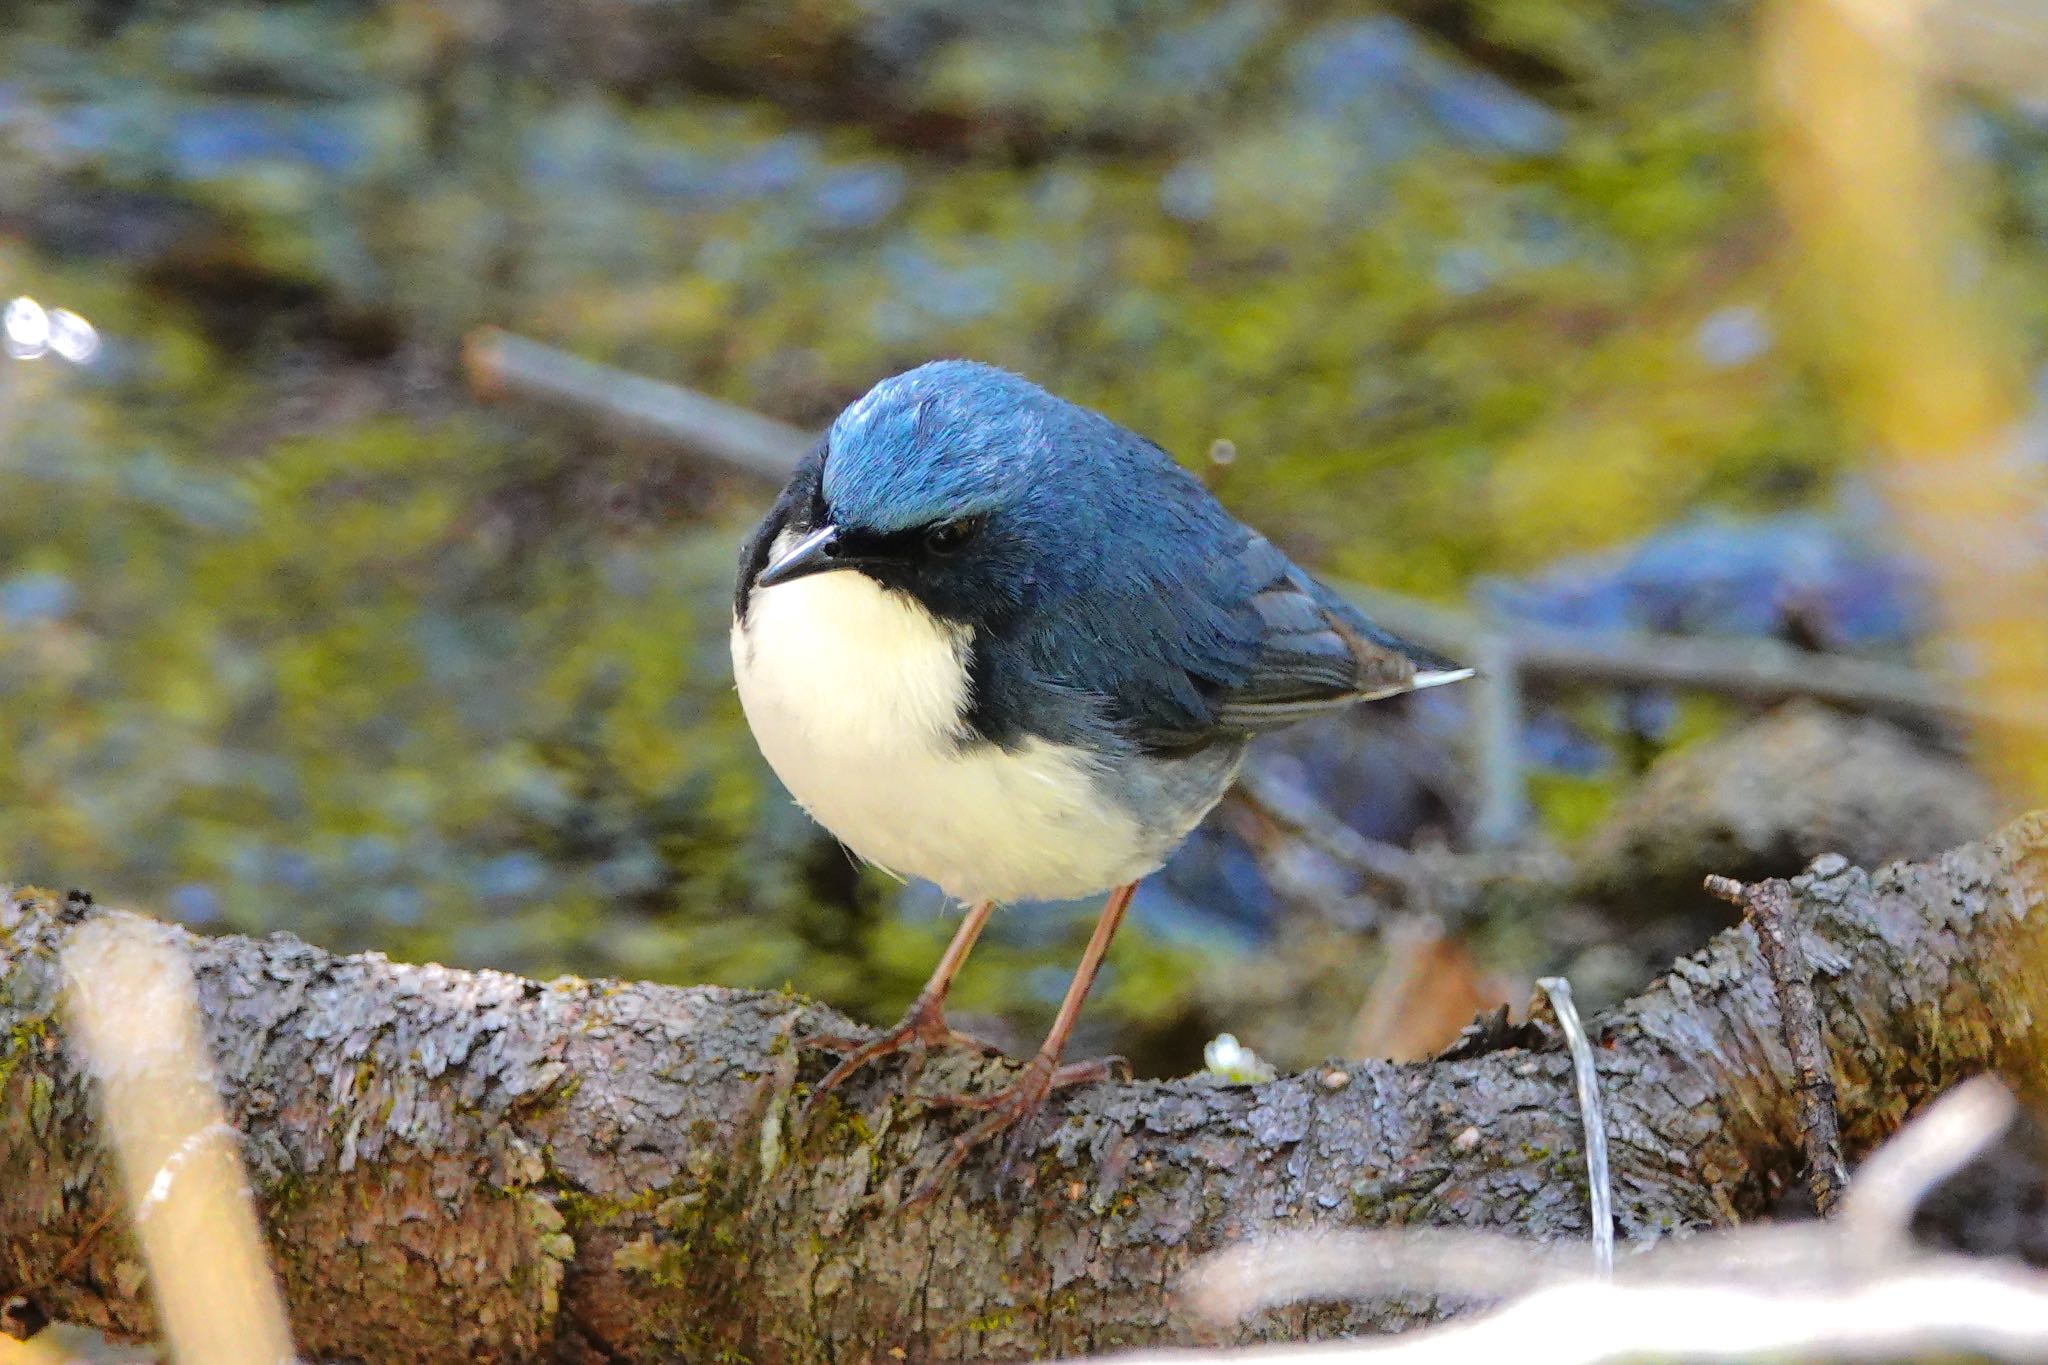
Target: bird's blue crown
949	439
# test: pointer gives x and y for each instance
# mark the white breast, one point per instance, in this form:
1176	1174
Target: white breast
856	696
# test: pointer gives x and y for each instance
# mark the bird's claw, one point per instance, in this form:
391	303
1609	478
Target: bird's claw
1009	1108
1060	1077
922	1030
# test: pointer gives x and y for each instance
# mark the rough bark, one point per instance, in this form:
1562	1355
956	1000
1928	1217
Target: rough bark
465	1166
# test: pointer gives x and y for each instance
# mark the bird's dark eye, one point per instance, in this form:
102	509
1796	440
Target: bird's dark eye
948	536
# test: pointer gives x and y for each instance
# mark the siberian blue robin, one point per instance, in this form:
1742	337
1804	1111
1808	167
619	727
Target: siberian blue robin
992	639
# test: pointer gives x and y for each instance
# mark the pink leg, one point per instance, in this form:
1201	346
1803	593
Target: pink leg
925	1025
1043	1074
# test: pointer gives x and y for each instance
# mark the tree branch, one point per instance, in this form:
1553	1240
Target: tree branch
460	1166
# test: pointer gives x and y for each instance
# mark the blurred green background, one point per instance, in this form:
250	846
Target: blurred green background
295	634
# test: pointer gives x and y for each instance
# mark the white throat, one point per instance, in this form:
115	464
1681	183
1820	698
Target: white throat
858	697
851	663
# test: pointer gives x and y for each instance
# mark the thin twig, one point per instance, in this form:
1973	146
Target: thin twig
1388	866
1760	672
499	363
1598	1185
132	1015
1769	907
1440	881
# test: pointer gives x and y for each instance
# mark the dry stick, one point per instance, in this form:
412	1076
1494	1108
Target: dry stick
500	364
1760	672
1599	1186
132	1013
1925	360
1769	907
1442	881
1389	866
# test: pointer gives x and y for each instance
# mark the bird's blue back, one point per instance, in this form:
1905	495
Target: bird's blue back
1124	605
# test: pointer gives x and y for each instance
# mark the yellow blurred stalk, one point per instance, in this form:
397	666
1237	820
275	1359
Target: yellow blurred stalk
1890	269
131	1002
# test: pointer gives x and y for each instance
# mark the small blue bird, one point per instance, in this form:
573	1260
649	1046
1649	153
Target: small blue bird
992	639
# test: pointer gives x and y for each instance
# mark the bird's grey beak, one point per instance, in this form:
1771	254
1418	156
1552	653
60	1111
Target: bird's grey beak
818	552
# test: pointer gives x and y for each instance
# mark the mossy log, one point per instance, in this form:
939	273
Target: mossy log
466	1166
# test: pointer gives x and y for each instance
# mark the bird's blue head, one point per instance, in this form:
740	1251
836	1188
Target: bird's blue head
945	441
961	485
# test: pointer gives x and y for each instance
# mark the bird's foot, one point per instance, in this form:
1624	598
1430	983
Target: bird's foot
923	1029
1010	1108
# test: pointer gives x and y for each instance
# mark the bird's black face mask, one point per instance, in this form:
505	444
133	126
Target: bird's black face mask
955	568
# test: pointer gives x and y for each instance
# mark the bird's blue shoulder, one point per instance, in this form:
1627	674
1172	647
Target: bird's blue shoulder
1164	623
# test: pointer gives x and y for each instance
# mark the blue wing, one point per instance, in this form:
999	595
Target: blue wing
1316	652
1193	629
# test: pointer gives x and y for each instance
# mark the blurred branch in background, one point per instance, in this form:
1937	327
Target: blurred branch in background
1894	274
500	365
